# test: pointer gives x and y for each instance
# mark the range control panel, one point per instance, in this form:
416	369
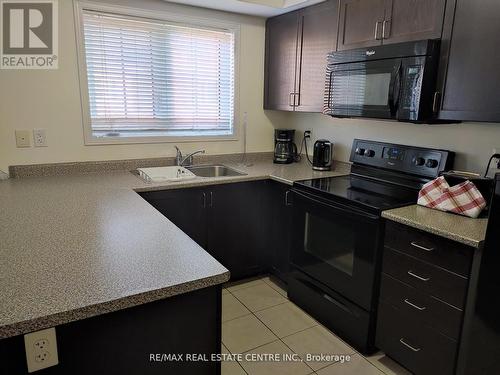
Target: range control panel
407	159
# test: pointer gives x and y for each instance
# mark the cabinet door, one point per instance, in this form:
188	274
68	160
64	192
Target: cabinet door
318	26
235	229
185	208
472	86
281	61
360	23
279	216
408	20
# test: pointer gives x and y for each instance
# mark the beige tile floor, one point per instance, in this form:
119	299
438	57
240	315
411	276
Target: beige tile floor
258	318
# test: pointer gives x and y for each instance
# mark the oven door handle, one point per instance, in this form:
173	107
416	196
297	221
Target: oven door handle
347	210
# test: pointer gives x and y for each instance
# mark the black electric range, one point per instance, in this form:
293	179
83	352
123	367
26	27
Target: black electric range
338	233
361	192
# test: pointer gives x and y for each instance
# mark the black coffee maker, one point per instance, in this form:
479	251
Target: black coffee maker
285	150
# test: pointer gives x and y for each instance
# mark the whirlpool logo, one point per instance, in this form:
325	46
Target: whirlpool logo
29	34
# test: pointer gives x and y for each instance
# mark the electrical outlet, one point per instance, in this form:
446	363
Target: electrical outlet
40	137
307	133
41	349
23	138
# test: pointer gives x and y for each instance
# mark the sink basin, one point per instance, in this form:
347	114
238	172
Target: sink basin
165	174
214	171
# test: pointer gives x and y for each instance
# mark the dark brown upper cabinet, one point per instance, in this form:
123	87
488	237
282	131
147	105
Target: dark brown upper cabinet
471	48
408	20
281	61
360	23
368	23
297	45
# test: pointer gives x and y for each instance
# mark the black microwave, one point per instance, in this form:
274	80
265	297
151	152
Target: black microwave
395	81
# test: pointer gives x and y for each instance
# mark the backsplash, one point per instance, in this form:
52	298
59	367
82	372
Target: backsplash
473	143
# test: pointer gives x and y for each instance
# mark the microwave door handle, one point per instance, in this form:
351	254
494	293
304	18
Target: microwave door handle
394	88
399	77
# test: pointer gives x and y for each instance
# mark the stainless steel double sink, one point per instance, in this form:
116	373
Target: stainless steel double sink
216	170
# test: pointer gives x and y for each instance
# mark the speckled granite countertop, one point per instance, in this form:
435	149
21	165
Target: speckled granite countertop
458	228
77	246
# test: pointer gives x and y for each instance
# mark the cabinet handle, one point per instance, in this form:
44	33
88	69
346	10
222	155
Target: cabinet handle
211	200
287	202
402	341
384	27
414	244
415	306
418	277
296	102
204	200
376	30
291	100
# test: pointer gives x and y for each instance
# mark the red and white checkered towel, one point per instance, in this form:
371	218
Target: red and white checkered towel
463	199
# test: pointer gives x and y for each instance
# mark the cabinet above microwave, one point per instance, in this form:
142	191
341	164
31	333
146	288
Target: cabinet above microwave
369	23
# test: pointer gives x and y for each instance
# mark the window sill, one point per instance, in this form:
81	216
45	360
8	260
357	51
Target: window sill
117	140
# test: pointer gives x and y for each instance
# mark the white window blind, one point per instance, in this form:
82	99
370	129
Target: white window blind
153	78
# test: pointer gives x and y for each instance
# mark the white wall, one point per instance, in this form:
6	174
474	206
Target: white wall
51	99
473	142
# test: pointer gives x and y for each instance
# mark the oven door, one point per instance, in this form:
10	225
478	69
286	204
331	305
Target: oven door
364	89
336	245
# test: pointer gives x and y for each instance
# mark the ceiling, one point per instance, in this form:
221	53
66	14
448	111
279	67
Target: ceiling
262	8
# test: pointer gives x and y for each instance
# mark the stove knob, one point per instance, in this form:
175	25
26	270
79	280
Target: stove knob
419	161
431	163
360	151
369	153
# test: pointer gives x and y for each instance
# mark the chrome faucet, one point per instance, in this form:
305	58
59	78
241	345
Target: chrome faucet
187	160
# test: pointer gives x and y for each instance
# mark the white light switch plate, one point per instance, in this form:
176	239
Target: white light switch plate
23	138
41	349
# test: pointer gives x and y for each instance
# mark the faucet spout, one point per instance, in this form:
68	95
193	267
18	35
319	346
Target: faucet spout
187	160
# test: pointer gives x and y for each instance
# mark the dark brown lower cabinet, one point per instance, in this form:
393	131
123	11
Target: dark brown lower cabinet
122	342
186	208
227	220
423	292
417	347
279	222
235	226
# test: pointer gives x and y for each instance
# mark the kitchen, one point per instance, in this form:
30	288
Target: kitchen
294	269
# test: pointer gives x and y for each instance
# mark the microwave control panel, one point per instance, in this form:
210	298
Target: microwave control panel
401	158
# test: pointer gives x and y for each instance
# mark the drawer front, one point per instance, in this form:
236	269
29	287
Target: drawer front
436	250
421	308
416	346
349	321
437	282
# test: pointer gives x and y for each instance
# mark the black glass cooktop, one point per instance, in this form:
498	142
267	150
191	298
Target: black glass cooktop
361	191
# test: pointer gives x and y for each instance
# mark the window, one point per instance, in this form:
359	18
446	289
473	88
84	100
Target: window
155	78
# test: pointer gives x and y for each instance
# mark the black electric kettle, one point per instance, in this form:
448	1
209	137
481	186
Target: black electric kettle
322	155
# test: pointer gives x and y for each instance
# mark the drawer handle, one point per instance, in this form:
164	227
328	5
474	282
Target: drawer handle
402	341
418	277
415	306
414	244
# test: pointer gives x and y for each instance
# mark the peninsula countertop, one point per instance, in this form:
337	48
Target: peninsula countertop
80	245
